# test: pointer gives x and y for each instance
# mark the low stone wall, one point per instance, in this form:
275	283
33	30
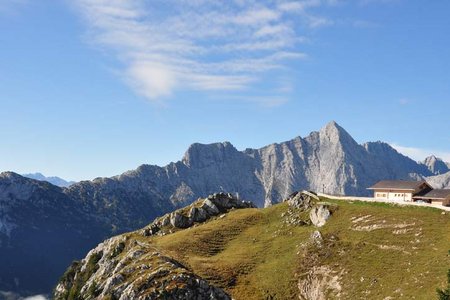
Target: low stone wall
370	199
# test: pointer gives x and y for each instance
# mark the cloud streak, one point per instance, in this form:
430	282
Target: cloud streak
420	154
11	6
169	45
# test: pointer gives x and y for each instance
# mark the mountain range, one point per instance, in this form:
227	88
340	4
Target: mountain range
55	180
38	220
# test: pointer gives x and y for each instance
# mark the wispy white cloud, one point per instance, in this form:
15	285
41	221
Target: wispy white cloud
169	45
298	6
420	154
11	6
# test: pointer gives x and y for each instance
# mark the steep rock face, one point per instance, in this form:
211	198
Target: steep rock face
395	163
328	160
439	181
436	165
219	167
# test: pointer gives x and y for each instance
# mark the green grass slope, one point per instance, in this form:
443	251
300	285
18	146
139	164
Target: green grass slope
377	251
365	251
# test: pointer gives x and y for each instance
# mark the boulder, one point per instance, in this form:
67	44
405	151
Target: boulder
165	220
151	230
197	214
320	213
178	220
210	207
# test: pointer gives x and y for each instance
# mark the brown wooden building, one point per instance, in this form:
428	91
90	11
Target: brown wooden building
409	191
438	196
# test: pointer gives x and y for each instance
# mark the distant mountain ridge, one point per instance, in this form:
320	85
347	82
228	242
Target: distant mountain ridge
329	160
41	230
52	179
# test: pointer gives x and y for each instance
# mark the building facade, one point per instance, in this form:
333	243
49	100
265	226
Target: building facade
399	190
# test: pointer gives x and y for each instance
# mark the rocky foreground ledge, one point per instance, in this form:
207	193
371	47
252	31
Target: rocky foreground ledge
198	212
125	267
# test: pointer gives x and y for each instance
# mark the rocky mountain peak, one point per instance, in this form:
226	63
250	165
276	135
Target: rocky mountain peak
332	128
201	155
335	134
436	165
9	175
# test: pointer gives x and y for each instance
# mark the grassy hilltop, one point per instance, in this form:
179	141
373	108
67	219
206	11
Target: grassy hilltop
364	251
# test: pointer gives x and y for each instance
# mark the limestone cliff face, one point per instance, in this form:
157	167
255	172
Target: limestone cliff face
436	165
440	181
328	160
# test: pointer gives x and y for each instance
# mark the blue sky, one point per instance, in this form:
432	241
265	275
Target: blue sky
93	87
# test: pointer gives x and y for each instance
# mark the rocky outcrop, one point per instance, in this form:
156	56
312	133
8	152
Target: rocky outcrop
198	212
321	212
302	200
305	201
125	269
